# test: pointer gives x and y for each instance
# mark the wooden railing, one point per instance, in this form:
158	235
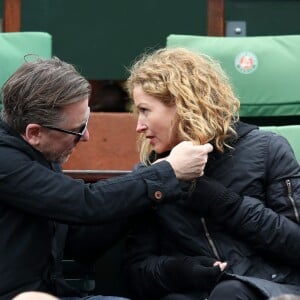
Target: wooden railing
215	18
12	15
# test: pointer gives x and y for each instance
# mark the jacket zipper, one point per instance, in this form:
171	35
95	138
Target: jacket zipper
209	239
290	196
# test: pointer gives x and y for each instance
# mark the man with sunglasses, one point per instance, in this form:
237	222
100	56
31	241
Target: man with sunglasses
44	213
79	134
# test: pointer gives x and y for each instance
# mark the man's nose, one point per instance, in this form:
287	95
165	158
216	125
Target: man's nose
85	137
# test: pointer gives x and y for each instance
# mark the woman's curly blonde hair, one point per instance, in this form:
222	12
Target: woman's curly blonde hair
207	108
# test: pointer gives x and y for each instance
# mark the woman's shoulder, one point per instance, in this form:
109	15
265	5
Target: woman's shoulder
263	134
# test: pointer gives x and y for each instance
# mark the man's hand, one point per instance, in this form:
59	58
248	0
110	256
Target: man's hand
188	160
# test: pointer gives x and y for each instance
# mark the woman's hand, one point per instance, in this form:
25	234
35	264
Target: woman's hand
192	272
222	265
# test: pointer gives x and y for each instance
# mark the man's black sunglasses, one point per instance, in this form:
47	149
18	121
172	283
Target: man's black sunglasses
79	134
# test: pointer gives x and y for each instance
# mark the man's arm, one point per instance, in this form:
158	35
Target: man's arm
33	188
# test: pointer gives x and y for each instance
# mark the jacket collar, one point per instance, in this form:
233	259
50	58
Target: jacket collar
244	128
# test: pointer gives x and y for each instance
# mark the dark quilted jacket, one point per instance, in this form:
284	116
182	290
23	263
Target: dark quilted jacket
260	239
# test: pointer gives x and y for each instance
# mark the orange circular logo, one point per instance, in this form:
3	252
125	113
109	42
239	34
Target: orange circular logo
246	62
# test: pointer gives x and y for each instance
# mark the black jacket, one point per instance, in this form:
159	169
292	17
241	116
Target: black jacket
41	210
249	218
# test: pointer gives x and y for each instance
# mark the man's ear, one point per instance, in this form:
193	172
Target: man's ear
33	134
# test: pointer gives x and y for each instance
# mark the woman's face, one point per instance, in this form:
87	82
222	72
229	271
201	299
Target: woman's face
155	120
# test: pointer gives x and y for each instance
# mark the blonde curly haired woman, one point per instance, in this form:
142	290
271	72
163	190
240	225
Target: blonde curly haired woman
250	187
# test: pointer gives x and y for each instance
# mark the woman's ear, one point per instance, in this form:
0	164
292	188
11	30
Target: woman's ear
33	134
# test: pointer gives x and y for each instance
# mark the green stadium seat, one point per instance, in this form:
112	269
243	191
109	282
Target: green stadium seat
15	45
264	70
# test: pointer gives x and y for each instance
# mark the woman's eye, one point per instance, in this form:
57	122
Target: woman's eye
142	109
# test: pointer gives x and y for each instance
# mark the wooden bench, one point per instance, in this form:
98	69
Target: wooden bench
112	146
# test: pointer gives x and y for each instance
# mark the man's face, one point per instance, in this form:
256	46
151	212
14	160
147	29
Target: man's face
56	145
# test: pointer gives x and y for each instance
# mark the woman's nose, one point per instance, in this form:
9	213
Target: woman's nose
140	127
